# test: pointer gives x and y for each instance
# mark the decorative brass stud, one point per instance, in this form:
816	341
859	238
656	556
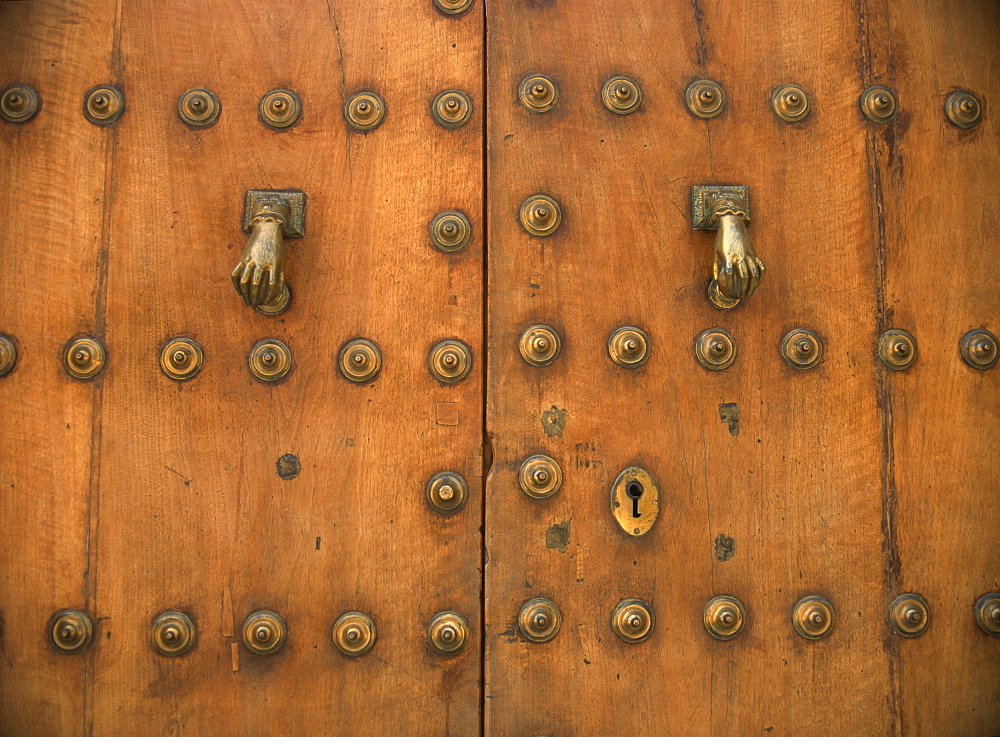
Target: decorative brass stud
450	231
8	355
705	98
360	361
181	359
633	621
452	109
279	109
813	617
172	634
540	476
364	112
452	7
447	492
84	358
629	347
790	103
538	93
199	108
621	95
70	631
725	617
270	359
988	613
448	633
354	634
635	501
540	345
450	361
540	215
979	349
539	620
715	349
19	103
103	105
897	349
801	348
909	615
878	104
264	632
963	109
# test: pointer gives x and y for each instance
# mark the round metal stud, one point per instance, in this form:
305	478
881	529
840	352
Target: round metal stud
447	492
360	361
629	347
354	634
539	620
103	105
633	620
19	103
909	615
364	112
181	359
279	109
8	355
276	308
725	617
813	617
540	345
878	104
897	349
172	634
199	108
540	215
801	348
450	231
264	632
270	359
790	103
452	7
988	613
84	358
705	98
715	349
963	109
448	633
70	631
538	93
979	349
452	109
621	95
540	476
450	361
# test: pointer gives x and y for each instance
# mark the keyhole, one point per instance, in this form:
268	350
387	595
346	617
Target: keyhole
635	491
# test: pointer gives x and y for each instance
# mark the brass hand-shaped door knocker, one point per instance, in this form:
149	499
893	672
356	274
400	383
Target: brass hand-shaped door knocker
737	270
269	216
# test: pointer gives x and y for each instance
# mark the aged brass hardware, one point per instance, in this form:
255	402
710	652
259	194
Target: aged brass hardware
452	109
878	104
736	269
172	634
360	361
988	613
540	345
813	617
269	216
715	349
450	231
199	108
70	631
629	347
539	620
84	358
790	103
538	93
909	615
364	112
963	109
279	109
448	633
447	492
8	355
621	95
705	98
450	361
19	103
270	359
979	349
264	632
354	634
633	621
540	476
897	349
452	7
103	105
540	215
725	617
801	348
181	359
635	501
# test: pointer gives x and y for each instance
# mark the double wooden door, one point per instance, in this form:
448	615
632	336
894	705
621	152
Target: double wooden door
500	466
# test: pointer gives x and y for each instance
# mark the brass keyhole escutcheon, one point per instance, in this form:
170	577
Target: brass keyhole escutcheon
897	349
84	358
264	632
452	109
448	633
360	361
539	620
813	617
715	349
8	355
446	492
452	7
540	476
635	501
181	359
878	104
450	231
270	360
354	634
633	621
538	93
450	361
979	349
540	345
280	109
629	347
801	348
724	617
199	108
540	215
790	103
621	95
705	98
71	631
963	109
988	613
172	634
909	615
364	112
19	103
103	105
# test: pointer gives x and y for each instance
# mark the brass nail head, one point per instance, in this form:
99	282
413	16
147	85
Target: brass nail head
70	631
538	93
172	633
878	104
360	361
621	95
813	617
801	348
19	103
452	7
629	347
354	634
705	98
450	231
447	492
199	108
539	620
988	613
264	632
540	345
979	349
279	109
909	615
448	633
364	111
270	360
8	355
452	109
84	358
181	359
540	215
897	349
450	361
790	103
724	617
715	349
103	105
633	621
540	476
963	109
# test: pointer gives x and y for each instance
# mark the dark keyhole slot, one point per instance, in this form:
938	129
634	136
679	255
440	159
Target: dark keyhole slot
634	491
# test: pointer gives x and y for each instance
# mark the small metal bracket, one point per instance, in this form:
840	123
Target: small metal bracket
704	198
294	201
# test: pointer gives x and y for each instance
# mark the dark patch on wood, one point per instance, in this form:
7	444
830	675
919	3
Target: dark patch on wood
288	466
730	412
554	422
725	547
557	537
